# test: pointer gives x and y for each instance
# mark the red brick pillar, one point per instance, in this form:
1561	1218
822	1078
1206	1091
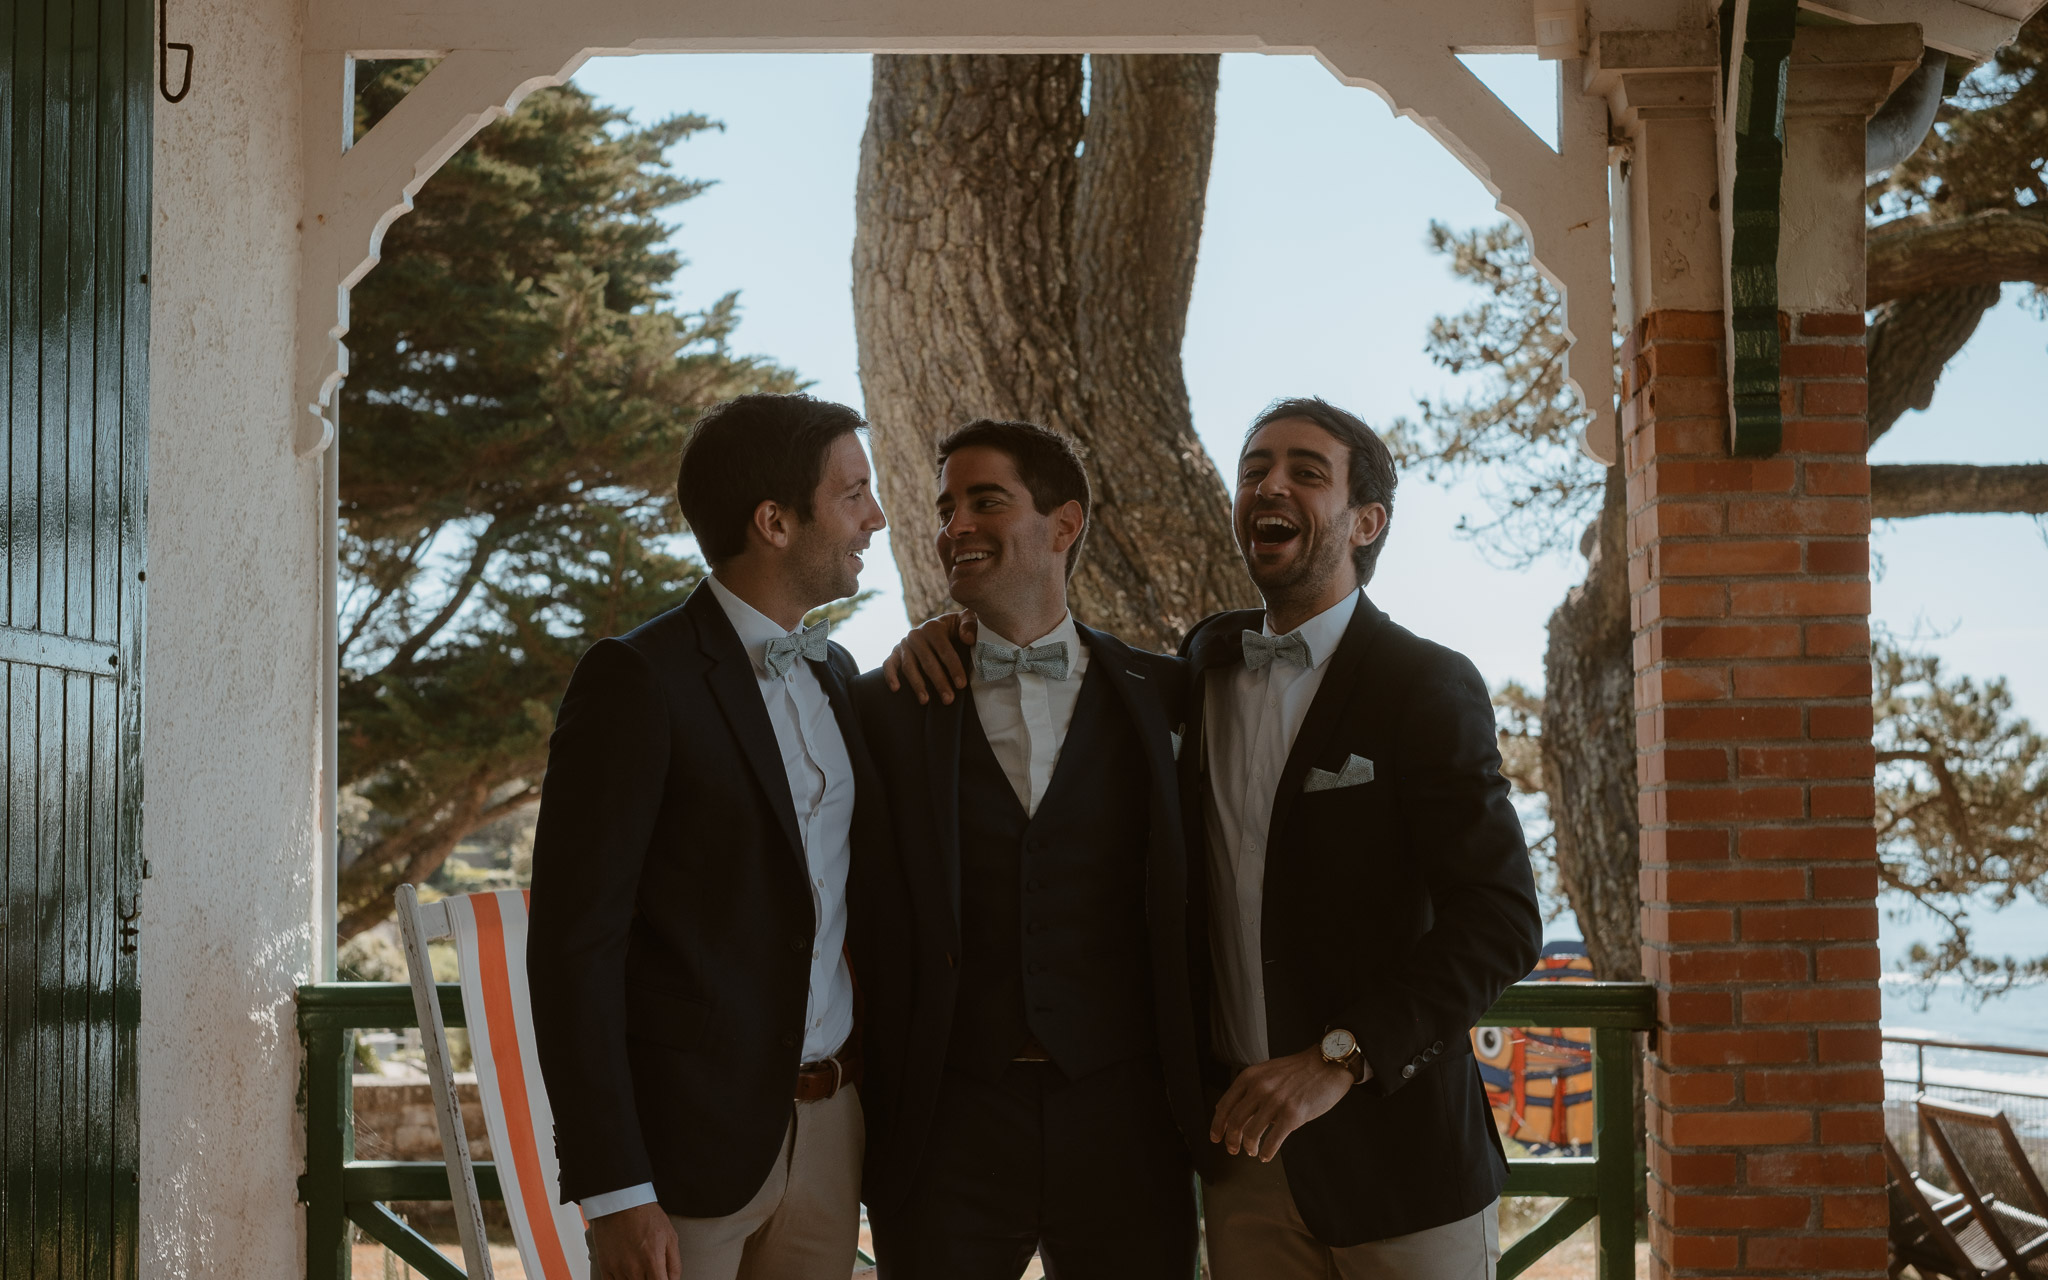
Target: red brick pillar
1752	594
1751	599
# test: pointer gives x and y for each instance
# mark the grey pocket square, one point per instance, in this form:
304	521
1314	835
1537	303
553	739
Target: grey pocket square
1357	771
1176	743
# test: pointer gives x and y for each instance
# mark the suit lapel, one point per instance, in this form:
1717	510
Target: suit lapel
867	785
942	775
1325	715
731	677
1219	646
1113	658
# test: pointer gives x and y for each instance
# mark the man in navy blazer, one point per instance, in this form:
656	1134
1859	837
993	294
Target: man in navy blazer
693	1009
1033	1083
1369	891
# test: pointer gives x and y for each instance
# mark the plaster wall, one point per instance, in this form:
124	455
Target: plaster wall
234	607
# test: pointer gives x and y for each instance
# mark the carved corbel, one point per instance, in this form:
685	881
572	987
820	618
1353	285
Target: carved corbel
353	193
1558	198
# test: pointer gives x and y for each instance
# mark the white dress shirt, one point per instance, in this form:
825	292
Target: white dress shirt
820	774
1250	720
1025	716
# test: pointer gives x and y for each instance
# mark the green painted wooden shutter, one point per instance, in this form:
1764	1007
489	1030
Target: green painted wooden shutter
75	102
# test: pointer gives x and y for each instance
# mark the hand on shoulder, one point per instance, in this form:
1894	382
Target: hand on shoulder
929	660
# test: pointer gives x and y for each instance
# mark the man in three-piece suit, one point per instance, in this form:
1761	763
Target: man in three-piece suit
1033	1079
1369	891
693	1009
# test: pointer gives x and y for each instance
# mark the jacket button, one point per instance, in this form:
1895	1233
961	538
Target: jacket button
1438	1047
788	1041
1031	886
1034	968
1408	1072
1034	928
799	944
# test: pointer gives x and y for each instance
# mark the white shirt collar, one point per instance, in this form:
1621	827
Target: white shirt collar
756	629
1065	632
1324	632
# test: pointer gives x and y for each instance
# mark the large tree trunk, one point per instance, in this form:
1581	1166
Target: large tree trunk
1990	247
999	274
1912	340
1589	747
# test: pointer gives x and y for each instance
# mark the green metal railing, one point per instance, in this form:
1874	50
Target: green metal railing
338	1189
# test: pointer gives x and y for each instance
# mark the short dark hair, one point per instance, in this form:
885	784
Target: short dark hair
1372	466
1050	464
754	449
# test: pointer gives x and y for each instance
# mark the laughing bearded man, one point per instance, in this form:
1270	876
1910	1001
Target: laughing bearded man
1369	890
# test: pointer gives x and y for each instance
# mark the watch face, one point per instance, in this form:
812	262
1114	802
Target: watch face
1337	1045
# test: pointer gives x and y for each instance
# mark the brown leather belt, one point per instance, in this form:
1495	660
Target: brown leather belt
817	1081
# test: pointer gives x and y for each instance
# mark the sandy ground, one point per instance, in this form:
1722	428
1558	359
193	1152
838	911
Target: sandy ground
1572	1260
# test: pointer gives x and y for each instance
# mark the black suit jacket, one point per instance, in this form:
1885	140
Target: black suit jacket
669	945
1398	910
906	920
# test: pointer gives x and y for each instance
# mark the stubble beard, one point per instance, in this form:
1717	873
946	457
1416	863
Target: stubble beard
822	573
1305	579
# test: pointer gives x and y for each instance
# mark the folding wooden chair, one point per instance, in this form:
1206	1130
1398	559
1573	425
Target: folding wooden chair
1933	1231
1988	1166
489	930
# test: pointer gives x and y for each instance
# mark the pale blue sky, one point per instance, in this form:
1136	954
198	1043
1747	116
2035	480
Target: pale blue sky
1313	279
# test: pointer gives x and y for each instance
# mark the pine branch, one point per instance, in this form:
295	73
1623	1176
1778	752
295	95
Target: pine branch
1995	246
1903	490
487	544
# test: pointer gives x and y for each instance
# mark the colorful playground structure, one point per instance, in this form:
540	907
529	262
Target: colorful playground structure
1539	1080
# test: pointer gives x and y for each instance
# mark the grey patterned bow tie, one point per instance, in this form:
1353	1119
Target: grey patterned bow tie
1260	649
783	651
995	661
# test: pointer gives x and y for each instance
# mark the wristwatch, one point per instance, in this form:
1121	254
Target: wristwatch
1340	1048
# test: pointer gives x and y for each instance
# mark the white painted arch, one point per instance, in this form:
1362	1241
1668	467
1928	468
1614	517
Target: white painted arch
494	53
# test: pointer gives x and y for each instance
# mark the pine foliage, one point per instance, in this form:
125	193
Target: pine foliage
520	384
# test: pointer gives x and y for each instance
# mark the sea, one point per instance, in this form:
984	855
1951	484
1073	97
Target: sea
1950	1010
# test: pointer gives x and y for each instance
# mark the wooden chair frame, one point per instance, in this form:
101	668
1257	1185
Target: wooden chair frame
1991	1214
1939	1251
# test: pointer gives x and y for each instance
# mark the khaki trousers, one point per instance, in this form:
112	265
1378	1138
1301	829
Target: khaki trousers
804	1222
1255	1233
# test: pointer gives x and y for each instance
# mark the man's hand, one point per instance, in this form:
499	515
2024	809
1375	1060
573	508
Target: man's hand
928	659
1267	1102
635	1244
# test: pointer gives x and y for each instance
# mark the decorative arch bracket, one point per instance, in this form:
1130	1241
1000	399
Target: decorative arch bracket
355	192
492	59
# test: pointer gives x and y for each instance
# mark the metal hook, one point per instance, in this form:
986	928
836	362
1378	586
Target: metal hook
164	47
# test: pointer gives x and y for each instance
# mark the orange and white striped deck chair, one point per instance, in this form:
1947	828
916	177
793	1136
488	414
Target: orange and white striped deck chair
489	930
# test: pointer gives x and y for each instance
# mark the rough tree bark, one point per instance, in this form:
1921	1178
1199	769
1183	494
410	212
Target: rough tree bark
1589	747
998	273
1903	490
1990	247
1912	340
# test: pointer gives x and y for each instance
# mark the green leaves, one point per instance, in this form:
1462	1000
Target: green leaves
1520	427
1962	808
521	383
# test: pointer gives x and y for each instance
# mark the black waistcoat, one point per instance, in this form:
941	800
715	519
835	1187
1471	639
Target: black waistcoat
1052	906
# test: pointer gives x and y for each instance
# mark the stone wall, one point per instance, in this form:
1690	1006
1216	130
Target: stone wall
394	1120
